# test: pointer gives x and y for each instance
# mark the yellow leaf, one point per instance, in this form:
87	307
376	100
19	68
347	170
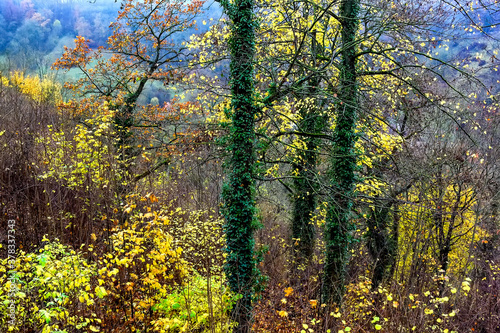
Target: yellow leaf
100	291
283	313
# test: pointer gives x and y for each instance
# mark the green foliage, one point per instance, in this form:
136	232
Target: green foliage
239	191
343	161
50	283
187	310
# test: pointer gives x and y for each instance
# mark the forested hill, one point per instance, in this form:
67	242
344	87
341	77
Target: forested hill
32	29
33	32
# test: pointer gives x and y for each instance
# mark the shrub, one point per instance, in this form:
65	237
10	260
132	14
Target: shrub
48	289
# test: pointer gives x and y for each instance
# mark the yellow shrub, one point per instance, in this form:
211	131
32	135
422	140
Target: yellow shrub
148	281
419	232
80	157
45	90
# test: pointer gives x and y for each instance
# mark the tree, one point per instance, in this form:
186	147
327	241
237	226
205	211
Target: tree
143	48
364	75
239	191
343	163
305	183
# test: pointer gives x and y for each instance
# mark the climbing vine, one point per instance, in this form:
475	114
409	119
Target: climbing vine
343	161
239	190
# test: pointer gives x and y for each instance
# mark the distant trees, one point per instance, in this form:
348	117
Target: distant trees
30	30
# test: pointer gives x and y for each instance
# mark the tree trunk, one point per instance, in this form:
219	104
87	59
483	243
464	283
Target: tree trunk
382	241
239	191
305	184
343	162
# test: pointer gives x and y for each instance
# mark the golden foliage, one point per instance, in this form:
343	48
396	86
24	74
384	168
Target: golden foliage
41	90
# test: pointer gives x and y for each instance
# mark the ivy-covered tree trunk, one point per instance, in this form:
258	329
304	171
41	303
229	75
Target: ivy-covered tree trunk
305	184
239	191
343	162
124	121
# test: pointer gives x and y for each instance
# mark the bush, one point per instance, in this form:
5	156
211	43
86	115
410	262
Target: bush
142	282
48	289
